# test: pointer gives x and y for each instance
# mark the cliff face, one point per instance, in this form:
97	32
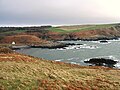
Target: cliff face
106	32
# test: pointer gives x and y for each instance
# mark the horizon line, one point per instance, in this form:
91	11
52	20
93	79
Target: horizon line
54	25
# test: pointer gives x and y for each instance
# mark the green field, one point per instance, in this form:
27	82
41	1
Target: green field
77	28
13	32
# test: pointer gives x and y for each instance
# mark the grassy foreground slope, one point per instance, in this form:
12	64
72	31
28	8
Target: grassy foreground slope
22	72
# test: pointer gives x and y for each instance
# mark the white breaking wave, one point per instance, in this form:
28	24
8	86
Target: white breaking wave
73	63
108	42
60	49
114	40
75	58
79	47
59	60
117	65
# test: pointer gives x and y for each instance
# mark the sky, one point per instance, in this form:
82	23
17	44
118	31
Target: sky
57	12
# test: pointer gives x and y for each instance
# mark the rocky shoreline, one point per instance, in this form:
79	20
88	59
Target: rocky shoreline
51	45
92	39
56	44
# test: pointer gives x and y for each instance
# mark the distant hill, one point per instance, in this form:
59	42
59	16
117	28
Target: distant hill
73	32
87	32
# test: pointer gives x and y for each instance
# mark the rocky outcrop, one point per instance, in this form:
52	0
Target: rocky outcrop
54	45
102	62
103	41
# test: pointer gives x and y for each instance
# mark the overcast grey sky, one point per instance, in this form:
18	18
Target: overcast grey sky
35	12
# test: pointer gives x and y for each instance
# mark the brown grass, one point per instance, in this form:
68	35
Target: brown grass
22	39
4	50
22	72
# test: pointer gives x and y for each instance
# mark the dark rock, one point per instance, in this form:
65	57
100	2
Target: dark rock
103	41
54	46
93	39
72	44
50	46
102	62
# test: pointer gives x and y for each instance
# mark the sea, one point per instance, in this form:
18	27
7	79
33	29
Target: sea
77	54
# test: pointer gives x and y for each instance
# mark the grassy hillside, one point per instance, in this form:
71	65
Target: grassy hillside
23	39
61	29
21	72
11	32
77	28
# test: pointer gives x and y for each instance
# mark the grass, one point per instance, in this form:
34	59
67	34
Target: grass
21	72
77	28
57	30
15	32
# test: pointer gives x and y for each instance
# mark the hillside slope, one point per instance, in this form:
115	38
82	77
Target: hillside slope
23	39
78	28
73	32
22	72
107	31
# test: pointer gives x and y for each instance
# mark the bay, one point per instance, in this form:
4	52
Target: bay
78	53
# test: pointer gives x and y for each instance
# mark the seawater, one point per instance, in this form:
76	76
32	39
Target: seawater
78	53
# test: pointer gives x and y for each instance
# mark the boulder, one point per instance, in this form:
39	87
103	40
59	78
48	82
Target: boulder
103	41
102	62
